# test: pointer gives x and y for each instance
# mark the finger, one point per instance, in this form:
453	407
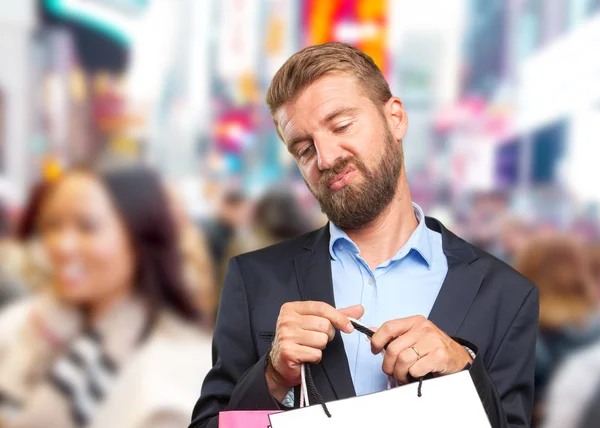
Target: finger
393	329
356	311
404	362
313	339
395	351
289	355
307	354
399	344
423	367
322	309
315	323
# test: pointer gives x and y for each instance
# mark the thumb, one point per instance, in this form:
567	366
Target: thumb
355	311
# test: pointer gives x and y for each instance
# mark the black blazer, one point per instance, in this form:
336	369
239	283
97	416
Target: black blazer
482	301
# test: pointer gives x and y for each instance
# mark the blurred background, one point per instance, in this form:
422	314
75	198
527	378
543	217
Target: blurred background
503	100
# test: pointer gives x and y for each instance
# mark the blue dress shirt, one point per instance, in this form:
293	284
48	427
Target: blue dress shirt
405	285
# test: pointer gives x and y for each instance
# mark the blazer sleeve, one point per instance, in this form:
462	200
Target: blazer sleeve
506	386
237	379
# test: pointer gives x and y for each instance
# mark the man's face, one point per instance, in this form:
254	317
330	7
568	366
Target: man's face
348	150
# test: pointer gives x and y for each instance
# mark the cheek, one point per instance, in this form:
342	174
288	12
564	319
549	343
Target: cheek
113	259
109	264
311	173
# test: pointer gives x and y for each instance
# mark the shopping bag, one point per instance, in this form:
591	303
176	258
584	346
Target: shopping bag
448	401
245	419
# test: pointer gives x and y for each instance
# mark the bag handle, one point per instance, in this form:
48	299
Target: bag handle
307	387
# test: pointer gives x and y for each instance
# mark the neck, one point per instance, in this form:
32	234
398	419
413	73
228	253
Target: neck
99	309
379	240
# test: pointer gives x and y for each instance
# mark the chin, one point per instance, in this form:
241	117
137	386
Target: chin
74	295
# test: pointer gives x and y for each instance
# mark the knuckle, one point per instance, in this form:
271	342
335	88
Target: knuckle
324	325
404	357
285	336
323	340
284	350
387	328
388	368
286	307
393	350
426	325
316	308
316	356
413	371
440	354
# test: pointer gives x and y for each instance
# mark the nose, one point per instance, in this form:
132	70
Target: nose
64	244
328	152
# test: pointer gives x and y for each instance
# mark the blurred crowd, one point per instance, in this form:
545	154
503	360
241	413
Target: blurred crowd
563	261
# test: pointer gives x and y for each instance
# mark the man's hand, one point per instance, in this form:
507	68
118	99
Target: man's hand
437	352
303	330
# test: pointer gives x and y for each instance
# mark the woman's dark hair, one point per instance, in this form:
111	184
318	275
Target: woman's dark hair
27	226
140	199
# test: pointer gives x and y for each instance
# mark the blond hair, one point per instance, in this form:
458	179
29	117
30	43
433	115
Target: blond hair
314	62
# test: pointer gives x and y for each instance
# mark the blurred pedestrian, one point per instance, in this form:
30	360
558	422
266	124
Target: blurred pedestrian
198	271
557	265
573	399
277	216
113	340
514	234
593	251
233	214
11	283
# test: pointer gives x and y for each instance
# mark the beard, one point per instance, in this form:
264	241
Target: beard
357	205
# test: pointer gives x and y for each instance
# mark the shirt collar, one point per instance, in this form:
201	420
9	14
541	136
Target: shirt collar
418	241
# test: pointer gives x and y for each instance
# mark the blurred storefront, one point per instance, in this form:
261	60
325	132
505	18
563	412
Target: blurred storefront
17	21
525	119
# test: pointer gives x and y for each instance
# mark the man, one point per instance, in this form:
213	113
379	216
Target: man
443	304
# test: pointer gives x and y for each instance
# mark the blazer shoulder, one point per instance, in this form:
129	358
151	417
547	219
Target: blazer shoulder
509	282
500	276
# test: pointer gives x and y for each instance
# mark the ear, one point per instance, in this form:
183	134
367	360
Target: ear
396	116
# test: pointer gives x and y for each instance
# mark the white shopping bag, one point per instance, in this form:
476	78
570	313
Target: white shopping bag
448	401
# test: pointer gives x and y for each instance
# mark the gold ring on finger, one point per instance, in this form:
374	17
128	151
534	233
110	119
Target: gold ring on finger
416	352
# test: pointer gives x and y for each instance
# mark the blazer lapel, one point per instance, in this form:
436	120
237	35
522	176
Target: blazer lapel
461	284
313	271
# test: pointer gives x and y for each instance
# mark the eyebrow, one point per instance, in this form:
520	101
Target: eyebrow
338	112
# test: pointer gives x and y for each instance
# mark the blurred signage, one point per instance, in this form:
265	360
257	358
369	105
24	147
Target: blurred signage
127	6
238	43
507	164
560	78
280	40
115	18
361	23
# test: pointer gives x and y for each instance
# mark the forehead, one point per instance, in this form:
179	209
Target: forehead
319	99
78	190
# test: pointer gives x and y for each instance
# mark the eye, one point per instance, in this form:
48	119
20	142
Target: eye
305	151
342	128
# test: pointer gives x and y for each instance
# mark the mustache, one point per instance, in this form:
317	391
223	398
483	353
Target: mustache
339	166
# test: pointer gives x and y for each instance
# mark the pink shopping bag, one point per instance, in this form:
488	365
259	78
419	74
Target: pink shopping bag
245	419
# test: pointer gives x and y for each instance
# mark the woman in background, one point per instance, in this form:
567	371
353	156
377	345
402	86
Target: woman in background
114	340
